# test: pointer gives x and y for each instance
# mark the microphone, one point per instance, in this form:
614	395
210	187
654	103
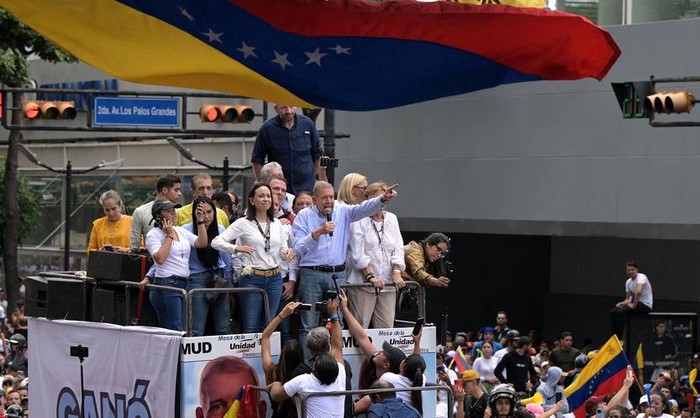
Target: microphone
329	211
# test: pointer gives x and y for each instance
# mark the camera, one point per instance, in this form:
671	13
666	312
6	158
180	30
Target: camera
449	269
327	161
322	306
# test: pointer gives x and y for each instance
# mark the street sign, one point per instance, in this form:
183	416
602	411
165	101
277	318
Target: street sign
137	111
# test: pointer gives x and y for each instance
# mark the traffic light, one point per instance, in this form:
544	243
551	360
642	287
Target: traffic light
34	109
679	101
226	113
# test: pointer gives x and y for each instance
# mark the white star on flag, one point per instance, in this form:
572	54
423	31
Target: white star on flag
315	57
248	51
340	50
213	36
282	60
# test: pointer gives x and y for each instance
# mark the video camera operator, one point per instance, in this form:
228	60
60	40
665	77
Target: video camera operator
425	260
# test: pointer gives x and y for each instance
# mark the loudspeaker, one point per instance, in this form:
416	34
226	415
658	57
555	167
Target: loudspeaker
36	297
105	265
67	299
102	305
118	304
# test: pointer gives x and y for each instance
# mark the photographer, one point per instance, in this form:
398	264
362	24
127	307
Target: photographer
328	375
425	260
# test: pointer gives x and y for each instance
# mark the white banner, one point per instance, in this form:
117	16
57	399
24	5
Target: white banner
128	371
242	353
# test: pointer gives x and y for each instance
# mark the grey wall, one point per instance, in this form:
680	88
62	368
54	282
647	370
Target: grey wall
544	157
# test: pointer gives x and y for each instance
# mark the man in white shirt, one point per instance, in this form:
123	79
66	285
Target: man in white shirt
328	376
638	298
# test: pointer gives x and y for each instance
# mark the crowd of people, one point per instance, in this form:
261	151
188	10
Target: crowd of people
297	242
14	371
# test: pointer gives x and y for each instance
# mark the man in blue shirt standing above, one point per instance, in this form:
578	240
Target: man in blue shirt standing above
292	141
322	245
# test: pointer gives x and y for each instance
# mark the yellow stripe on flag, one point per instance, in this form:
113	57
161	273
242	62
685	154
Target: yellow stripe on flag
117	35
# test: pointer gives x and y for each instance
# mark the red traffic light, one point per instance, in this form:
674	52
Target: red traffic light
34	109
226	113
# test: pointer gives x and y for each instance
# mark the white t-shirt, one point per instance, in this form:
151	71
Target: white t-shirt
400	382
485	367
631	288
178	261
319	406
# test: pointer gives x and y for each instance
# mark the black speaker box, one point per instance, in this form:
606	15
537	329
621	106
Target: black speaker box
118	304
56	298
105	265
36	296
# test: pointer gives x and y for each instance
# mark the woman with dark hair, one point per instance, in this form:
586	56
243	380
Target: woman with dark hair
261	243
291	356
206	266
411	375
170	247
425	260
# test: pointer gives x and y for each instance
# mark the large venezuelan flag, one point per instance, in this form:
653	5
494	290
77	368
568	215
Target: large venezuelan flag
603	375
339	54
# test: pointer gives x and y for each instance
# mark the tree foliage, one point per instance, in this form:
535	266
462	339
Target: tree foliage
17	43
28	200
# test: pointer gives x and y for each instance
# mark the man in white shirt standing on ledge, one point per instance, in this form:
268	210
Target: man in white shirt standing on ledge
321	235
638	298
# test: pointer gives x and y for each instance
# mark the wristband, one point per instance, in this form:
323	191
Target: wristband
201	222
397	271
333	318
381	199
369	276
168	236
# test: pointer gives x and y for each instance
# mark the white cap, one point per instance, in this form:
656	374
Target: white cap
644	399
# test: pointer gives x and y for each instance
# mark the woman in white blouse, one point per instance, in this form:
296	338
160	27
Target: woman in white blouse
261	243
376	257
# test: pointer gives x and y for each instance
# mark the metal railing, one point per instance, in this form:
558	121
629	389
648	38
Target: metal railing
410	284
304	397
217	290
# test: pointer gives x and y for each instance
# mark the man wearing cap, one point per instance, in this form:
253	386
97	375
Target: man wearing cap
476	400
489	334
518	365
639	298
321	237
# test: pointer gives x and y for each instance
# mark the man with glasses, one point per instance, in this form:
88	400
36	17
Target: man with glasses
425	260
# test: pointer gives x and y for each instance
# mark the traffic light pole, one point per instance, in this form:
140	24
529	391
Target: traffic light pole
226	167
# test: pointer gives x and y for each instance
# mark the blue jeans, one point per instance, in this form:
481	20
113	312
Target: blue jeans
221	310
168	305
312	284
252	312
